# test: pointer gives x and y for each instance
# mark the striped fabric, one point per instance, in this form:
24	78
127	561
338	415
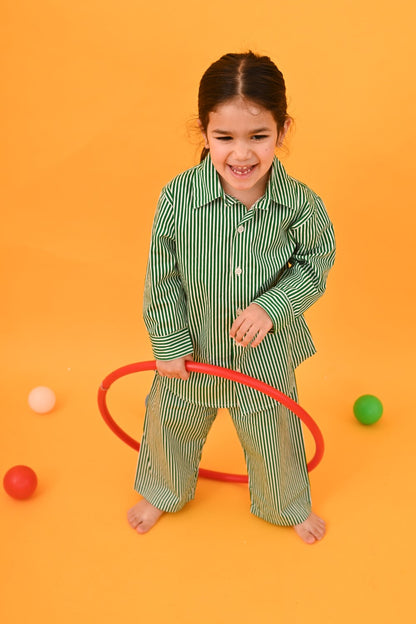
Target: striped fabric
210	257
175	432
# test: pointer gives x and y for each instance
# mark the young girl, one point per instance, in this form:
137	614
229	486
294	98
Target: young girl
239	251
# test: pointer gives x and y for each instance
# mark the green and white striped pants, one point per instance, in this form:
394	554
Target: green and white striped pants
175	432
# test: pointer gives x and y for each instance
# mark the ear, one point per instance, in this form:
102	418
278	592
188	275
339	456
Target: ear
283	132
204	134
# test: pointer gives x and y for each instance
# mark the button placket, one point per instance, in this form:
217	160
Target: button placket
241	228
236	269
240	257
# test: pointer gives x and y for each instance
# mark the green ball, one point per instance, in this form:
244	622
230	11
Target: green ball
368	409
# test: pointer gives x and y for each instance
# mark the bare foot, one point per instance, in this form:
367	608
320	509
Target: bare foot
311	530
143	516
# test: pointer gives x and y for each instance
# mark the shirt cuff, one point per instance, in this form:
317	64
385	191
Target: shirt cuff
278	307
171	347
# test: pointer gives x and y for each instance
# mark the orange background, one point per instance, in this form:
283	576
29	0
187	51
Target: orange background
98	113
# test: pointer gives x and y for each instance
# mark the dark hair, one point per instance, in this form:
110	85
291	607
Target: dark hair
248	75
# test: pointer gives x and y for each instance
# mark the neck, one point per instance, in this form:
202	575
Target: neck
248	198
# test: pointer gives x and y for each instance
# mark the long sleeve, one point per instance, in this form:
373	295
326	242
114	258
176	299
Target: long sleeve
304	281
210	257
164	306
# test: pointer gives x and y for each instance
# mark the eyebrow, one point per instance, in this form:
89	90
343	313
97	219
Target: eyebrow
257	131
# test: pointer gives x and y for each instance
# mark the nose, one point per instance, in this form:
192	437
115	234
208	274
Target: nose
242	150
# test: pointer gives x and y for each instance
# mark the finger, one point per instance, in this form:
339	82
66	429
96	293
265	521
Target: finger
243	330
181	372
176	373
239	322
235	327
186	373
259	338
169	373
248	336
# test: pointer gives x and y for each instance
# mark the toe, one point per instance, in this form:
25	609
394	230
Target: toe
134	522
308	537
133	519
143	516
305	535
320	530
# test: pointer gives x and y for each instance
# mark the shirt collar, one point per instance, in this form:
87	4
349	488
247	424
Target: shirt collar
280	187
207	185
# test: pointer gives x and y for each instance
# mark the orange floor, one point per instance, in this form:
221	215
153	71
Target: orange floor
88	146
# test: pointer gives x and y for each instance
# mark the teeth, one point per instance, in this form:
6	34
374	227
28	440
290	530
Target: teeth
241	170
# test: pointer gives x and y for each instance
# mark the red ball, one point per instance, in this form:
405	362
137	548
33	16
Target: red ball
20	482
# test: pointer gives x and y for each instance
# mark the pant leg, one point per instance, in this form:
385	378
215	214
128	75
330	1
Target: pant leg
170	452
276	463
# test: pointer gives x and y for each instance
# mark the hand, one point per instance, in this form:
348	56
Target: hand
252	323
174	368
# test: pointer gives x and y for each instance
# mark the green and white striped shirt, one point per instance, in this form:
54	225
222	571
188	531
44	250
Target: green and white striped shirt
210	257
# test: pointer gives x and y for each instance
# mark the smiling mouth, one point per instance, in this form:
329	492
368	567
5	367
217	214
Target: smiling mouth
242	171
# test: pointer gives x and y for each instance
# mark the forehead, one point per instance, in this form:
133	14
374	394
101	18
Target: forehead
240	114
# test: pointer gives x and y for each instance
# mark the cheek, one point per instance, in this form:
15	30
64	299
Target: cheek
267	154
218	153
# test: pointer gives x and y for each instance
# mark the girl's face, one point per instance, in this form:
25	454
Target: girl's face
241	137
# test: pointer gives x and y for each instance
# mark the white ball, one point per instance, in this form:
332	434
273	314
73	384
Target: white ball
42	400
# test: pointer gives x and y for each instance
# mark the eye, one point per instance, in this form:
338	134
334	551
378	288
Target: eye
223	138
259	137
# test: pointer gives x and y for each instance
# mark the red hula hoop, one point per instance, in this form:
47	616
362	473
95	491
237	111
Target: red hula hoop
217	371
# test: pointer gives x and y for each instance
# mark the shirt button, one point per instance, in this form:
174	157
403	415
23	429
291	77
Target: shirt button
241	229
238	271
239	311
